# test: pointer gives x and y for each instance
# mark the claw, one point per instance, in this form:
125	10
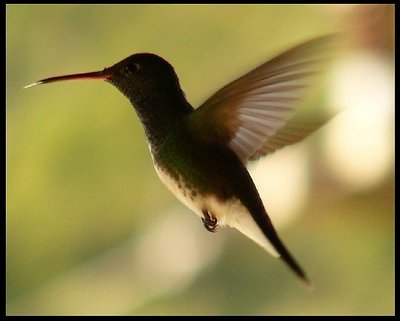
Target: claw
210	222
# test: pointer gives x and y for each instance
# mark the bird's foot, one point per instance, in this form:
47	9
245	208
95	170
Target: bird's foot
210	222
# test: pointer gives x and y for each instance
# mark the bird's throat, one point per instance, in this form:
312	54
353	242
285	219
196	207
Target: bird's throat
160	114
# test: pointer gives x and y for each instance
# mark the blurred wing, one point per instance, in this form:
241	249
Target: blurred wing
250	114
293	132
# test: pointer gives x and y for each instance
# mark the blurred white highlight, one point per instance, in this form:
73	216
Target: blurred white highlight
359	144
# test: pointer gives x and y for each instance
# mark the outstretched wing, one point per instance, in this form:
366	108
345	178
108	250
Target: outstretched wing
250	115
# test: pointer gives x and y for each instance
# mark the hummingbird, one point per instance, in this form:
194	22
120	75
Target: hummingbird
201	154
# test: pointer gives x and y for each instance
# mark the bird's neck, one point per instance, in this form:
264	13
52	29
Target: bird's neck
160	112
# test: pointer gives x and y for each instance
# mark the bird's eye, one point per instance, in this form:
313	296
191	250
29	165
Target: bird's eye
131	68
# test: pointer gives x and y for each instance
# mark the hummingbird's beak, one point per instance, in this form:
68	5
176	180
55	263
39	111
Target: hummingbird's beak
99	75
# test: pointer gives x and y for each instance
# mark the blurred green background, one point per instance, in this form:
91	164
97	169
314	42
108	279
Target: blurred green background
91	229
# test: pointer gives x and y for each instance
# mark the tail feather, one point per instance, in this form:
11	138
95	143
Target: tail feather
264	234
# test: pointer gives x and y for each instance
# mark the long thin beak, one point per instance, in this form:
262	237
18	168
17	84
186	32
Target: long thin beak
99	75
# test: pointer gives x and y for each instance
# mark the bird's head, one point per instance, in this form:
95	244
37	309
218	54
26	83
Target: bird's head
136	76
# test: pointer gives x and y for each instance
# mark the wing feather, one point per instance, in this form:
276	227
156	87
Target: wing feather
251	113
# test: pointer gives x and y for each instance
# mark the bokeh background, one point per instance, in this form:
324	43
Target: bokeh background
90	229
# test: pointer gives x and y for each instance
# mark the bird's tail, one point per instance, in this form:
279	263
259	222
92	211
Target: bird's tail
259	228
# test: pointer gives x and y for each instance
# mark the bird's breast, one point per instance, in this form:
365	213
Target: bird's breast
195	199
229	211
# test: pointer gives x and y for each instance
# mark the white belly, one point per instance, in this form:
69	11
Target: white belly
229	213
